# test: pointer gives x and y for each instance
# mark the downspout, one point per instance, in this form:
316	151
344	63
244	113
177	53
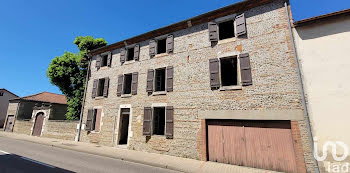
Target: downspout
82	106
301	88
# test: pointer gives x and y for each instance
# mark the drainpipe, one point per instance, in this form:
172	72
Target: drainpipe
306	116
82	106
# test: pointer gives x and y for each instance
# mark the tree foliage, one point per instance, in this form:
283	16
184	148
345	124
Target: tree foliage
68	73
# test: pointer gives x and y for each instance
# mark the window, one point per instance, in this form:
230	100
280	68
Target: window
226	30
127	83
130	54
1	93
161	46
94	120
104	60
229	71
100	87
159	80
159	120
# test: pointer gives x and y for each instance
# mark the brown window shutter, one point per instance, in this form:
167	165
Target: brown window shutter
98	61
147	121
246	74
169	78
134	83
137	52
213	32
214	73
122	55
169	131
109	59
105	88
120	85
170	44
150	76
152	48
240	25
89	119
94	88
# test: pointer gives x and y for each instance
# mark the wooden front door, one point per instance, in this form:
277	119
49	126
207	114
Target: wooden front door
38	125
259	144
10	123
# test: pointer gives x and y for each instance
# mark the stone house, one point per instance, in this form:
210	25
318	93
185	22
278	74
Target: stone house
222	81
42	114
322	45
5	96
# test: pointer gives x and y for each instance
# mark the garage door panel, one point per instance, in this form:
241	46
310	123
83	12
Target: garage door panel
234	145
270	148
215	143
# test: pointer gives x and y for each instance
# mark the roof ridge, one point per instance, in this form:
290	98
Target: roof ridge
41	93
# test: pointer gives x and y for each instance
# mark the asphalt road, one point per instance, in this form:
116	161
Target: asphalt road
26	157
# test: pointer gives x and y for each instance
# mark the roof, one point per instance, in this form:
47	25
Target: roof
45	97
234	8
8	91
322	17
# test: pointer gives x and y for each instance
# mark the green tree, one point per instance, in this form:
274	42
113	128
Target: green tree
68	73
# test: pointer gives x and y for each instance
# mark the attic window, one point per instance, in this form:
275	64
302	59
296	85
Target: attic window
104	60
226	30
229	71
130	54
161	47
1	93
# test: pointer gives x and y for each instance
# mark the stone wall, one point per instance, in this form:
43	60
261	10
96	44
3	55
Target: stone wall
60	129
275	84
23	127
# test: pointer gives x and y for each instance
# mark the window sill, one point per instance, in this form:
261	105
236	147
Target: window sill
129	62
161	55
99	97
156	93
228	88
228	40
125	95
102	68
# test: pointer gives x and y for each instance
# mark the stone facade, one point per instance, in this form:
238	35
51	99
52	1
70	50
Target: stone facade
275	85
5	96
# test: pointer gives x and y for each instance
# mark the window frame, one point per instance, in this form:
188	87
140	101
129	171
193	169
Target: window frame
163	37
104	60
99	87
123	85
158	106
165	81
225	19
94	119
239	78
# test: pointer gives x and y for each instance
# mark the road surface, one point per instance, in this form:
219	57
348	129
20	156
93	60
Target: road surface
18	156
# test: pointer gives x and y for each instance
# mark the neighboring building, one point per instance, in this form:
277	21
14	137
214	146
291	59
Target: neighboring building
323	44
222	86
42	114
5	96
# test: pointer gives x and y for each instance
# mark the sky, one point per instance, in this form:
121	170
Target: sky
34	32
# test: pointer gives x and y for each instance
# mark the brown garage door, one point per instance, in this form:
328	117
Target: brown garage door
259	144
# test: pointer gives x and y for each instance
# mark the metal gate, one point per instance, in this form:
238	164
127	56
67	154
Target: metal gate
38	125
9	123
259	144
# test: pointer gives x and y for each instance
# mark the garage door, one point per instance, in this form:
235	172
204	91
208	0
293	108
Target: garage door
259	144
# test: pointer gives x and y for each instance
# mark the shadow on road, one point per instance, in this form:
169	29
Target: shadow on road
11	163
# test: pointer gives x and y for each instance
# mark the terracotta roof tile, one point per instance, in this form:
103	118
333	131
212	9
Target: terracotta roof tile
47	97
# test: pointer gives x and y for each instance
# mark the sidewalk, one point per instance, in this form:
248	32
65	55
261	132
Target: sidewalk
152	159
